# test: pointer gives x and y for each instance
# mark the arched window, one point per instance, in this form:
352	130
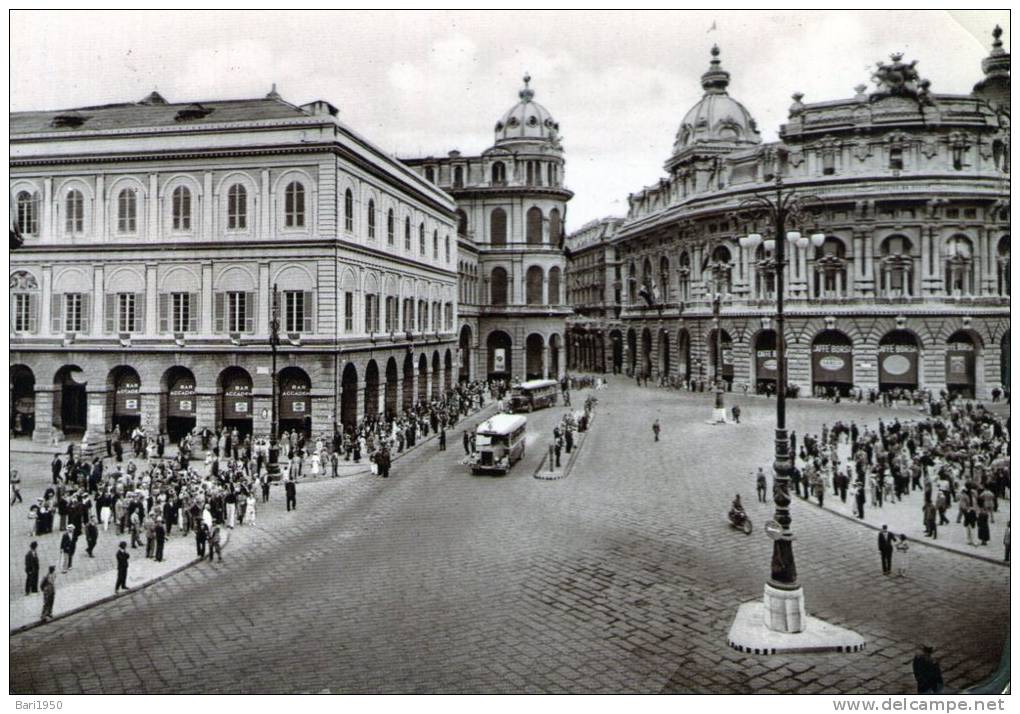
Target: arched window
499	173
897	266
447	248
371	219
421	238
497	286
74	214
720	270
127	211
553	286
435	245
555	227
632	286
407	234
830	268
497	227
462	223
237	208
181	209
684	276
533	286
348	211
458	177
959	269
294	205
28	213
390	230
533	226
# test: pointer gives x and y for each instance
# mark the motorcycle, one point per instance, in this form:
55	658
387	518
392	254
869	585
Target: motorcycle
740	521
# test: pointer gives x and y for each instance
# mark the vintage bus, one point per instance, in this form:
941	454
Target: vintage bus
499	443
536	394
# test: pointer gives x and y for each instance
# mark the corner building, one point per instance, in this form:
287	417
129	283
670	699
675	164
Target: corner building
155	236
511	207
908	287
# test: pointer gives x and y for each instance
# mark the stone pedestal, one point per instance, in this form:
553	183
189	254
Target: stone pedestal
718	416
784	609
779	624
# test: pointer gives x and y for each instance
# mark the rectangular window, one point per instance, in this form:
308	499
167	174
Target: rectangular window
126	312
896	159
24	314
237	311
349	312
828	163
297	311
74	313
180	312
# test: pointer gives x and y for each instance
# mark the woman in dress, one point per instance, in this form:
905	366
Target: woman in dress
902	555
104	509
316	464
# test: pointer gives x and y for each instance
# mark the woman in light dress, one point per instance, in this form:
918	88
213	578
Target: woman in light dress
317	462
902	555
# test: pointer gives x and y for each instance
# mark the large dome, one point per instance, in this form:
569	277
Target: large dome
527	120
718	117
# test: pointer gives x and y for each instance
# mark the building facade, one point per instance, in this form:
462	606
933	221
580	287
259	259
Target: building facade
904	283
156	236
511	207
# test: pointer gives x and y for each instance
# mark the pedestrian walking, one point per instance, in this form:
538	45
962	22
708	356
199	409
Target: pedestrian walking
927	671
290	488
67	547
15	487
32	568
201	535
49	591
160	539
442	438
902	555
735	411
91	536
215	544
467	443
885	548
761	485
655	429
122	567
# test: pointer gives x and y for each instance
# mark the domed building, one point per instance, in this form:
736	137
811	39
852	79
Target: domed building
511	205
898	282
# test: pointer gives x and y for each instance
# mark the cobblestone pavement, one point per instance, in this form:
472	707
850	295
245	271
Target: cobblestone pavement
622	577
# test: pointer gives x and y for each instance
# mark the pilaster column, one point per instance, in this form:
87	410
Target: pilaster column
96	321
151	300
102	226
205	321
207	204
43	431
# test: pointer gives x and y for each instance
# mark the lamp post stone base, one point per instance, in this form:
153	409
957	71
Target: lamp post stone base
718	416
784	609
751	631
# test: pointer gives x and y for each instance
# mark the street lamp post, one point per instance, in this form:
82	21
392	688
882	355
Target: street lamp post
784	597
719	415
274	427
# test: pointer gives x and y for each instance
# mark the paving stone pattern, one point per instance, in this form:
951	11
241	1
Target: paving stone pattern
624	577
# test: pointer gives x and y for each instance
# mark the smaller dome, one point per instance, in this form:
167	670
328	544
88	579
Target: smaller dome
717	117
527	119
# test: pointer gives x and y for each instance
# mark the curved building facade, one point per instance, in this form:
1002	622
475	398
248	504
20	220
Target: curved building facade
904	285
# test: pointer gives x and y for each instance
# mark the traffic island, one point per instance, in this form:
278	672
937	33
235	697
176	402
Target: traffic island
752	629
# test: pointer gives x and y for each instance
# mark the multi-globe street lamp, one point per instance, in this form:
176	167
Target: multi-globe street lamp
274	428
782	212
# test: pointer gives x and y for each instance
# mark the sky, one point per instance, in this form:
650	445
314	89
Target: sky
423	83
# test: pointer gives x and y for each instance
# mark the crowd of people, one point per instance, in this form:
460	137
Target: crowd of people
216	480
957	455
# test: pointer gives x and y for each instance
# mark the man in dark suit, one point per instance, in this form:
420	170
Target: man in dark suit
160	539
55	468
885	548
442	438
467	444
290	489
91	536
32	569
67	545
122	567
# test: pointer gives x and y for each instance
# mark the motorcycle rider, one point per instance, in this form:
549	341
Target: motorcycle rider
737	514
